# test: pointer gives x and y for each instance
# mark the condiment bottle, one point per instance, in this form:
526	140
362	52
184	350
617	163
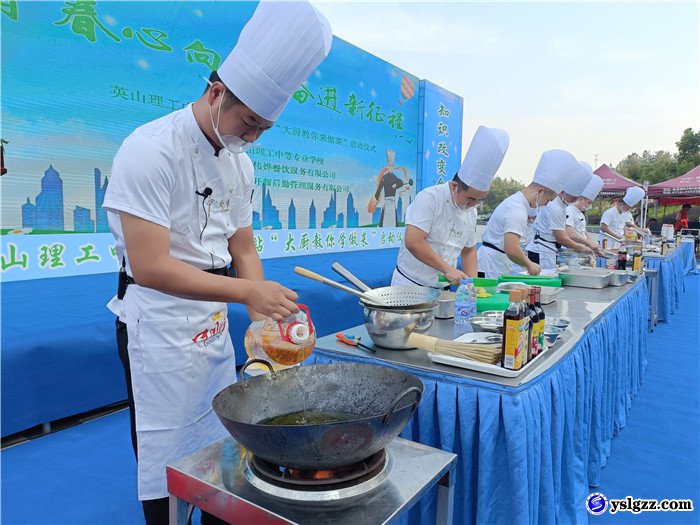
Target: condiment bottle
281	343
637	262
540	322
622	257
512	340
532	327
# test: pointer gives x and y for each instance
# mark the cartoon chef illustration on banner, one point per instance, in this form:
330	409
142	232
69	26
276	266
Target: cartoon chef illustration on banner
390	184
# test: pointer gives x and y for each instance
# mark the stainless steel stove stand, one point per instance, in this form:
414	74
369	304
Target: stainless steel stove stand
213	479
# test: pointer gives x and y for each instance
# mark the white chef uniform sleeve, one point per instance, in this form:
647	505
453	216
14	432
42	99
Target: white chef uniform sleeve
558	220
607	217
142	182
422	211
515	221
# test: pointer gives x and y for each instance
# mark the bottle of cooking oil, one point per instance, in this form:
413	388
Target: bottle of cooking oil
281	343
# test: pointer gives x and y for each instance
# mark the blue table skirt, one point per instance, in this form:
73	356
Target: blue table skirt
529	454
690	265
671	282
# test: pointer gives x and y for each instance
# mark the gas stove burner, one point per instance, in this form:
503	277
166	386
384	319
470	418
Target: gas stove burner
318	485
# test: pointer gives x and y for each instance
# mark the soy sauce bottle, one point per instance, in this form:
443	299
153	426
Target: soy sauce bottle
622	257
512	337
532	327
540	321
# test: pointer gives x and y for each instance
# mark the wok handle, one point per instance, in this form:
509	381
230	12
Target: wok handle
399	397
252	361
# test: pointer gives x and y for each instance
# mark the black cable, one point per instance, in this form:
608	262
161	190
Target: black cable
206	221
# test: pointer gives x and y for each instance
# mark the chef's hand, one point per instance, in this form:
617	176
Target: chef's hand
598	251
454	275
372	206
273	300
533	268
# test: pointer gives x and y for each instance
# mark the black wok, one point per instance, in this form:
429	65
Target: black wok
381	400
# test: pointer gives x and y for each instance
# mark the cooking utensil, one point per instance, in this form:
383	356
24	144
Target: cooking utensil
618	277
390	328
344	272
321	279
484	352
397	297
446	305
353	341
377	400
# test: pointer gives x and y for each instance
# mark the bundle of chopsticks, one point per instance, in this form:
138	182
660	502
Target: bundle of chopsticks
483	352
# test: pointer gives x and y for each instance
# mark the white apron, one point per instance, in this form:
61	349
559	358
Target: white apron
389	212
493	263
180	350
181	356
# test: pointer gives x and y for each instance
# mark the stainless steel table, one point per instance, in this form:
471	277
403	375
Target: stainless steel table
214	480
581	306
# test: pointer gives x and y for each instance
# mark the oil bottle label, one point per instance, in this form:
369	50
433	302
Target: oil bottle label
512	344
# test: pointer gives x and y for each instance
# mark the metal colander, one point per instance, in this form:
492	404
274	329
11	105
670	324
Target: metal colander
402	297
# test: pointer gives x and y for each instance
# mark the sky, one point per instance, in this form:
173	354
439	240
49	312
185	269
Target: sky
599	79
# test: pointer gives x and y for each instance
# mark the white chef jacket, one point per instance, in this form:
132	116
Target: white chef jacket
449	230
509	217
576	219
616	222
551	218
180	350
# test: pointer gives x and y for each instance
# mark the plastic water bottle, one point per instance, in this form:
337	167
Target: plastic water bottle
281	343
465	302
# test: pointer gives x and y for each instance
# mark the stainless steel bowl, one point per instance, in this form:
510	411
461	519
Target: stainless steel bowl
486	324
493	314
557	322
391	328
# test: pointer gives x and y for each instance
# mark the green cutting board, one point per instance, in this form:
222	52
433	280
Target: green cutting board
498	301
537	280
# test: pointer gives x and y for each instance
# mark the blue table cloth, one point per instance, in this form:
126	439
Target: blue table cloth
528	454
671	282
690	265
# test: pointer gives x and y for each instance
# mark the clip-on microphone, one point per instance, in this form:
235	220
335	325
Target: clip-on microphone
207	191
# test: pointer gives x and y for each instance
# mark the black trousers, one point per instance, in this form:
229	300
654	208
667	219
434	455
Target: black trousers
156	511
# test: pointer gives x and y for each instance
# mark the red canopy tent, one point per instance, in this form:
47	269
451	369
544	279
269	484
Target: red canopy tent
614	184
681	190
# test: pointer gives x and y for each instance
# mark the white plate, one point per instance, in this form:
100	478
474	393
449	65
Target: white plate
476	337
478	366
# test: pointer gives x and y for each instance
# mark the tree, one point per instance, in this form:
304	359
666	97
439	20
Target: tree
661	165
499	191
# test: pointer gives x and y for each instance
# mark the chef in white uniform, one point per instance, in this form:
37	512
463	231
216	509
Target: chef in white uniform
550	225
575	218
179	207
441	222
508	223
524	241
614	219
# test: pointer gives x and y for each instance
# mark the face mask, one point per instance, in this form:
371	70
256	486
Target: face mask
537	207
464	207
232	143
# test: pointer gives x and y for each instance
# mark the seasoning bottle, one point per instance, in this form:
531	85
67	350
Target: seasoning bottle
540	321
512	342
532	326
637	263
622	257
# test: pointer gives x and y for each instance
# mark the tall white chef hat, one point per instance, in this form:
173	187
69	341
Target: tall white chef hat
633	195
593	188
575	185
276	51
483	158
555	167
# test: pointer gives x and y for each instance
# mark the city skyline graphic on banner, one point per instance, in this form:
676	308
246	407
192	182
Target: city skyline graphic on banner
342	154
